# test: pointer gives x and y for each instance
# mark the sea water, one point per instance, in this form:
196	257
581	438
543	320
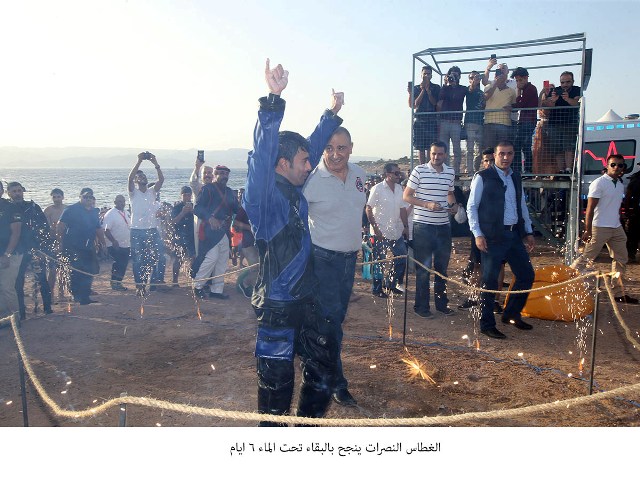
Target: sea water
106	183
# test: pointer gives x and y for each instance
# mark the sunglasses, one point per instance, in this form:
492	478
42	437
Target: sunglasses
397	174
617	165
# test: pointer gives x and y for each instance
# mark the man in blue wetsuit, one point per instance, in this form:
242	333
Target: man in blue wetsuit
289	322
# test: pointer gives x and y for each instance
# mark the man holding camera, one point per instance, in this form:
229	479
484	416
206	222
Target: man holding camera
451	100
498	96
145	237
563	123
425	98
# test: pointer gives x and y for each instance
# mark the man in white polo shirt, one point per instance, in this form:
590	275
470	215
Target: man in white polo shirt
335	192
145	238
602	223
430	191
117	224
387	215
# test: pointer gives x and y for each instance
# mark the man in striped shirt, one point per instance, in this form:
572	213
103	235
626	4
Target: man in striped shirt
430	191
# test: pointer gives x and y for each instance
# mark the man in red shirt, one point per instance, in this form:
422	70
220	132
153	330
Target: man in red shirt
527	97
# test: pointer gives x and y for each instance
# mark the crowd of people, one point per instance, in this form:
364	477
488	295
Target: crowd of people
304	215
503	108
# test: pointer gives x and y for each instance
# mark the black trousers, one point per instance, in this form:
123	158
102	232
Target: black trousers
80	282
40	278
283	332
120	256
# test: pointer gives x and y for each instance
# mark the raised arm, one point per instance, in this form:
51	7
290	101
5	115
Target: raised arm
134	170
158	185
487	71
329	121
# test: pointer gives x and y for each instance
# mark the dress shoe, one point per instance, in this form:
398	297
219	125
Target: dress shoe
468	304
343	397
397	291
518	323
87	301
381	295
423	313
48	311
446	311
220	296
497	308
493	332
627	299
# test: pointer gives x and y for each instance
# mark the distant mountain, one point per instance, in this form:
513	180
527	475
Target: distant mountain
88	157
97	157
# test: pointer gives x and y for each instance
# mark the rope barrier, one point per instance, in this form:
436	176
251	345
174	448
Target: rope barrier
618	315
355	422
444	277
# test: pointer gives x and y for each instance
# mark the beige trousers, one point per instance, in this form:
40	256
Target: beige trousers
616	241
8	295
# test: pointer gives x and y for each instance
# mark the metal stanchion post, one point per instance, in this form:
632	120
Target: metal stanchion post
123	412
406	290
595	332
23	393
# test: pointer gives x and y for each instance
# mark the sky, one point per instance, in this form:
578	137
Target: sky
186	74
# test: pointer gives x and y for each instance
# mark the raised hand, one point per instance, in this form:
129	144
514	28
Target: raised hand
337	101
276	78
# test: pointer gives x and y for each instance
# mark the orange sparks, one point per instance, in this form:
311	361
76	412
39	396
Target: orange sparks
142	310
69	307
199	313
477	344
390	332
415	369
580	365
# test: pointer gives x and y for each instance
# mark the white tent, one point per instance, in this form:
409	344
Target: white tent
610	116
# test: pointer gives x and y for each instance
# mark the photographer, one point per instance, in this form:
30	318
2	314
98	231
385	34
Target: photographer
145	238
451	99
498	96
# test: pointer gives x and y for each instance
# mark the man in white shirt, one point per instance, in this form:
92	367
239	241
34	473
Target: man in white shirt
387	215
117	224
145	238
430	191
335	192
602	224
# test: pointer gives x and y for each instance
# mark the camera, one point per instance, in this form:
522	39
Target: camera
146	156
493	55
201	156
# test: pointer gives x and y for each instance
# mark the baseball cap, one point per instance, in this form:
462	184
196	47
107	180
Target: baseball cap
15	184
222	167
186	189
86	190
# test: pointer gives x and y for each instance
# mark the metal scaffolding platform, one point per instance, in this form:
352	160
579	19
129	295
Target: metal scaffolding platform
553	198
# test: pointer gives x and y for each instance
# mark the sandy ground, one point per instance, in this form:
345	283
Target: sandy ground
92	353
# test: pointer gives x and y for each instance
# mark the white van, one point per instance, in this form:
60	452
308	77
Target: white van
610	134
